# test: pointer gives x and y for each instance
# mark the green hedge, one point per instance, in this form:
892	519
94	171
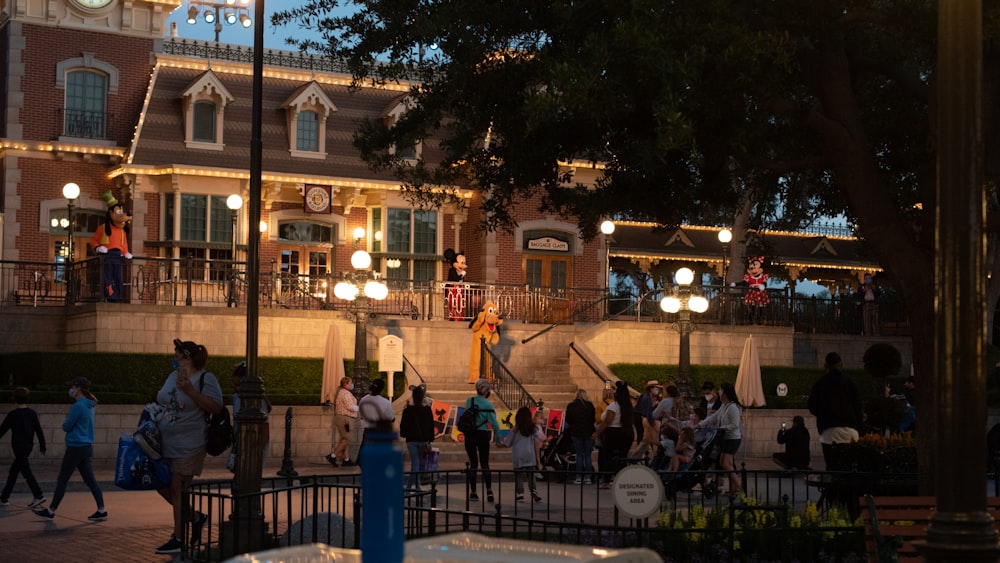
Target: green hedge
130	379
798	380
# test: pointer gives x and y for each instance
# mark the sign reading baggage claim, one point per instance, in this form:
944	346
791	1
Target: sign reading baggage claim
638	491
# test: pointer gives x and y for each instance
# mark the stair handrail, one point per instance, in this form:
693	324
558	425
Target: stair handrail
507	388
593	368
415	372
569	318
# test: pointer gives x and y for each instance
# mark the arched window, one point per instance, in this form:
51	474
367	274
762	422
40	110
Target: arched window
86	104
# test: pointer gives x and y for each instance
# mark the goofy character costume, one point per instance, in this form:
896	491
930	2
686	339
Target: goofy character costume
111	240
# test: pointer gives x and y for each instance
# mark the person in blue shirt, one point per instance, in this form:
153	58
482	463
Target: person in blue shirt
477	446
79	429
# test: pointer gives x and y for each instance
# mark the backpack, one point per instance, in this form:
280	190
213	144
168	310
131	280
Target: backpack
219	434
467	422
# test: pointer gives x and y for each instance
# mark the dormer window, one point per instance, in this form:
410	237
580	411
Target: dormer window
307	110
307	131
203	122
412	151
205	103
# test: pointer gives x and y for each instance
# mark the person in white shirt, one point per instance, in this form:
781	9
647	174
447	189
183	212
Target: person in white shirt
373	408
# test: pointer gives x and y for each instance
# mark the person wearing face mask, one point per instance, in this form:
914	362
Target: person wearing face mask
345	418
711	401
189	395
79	429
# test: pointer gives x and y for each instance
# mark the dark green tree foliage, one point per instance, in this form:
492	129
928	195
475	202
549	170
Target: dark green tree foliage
882	360
690	107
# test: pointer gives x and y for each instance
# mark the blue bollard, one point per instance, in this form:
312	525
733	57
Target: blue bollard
382	498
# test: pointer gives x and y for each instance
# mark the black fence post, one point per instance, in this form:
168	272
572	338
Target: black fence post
287	469
187	266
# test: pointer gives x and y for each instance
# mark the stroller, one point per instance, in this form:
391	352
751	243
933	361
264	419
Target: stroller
706	456
558	453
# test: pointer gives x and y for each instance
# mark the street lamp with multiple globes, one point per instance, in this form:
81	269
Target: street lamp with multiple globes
728	306
359	286
217	11
682	301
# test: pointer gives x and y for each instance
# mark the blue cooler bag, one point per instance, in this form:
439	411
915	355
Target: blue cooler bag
135	471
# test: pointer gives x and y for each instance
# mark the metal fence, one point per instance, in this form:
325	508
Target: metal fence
199	282
784	515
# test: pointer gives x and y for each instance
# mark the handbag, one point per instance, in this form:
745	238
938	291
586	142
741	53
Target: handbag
136	471
219	432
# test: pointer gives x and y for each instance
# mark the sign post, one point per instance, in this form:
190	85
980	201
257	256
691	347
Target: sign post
390	358
638	491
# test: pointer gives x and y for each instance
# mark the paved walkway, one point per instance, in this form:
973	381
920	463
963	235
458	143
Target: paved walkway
138	521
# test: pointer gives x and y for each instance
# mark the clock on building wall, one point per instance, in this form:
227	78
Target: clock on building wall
317	199
92	4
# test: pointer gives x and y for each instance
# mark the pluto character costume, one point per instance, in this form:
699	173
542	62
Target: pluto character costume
484	327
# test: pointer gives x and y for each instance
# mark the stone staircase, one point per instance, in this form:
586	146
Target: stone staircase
548	385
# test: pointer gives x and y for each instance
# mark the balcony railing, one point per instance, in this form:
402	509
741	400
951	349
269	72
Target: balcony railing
220	283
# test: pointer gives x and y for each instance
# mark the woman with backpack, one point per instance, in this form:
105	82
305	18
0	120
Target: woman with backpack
477	442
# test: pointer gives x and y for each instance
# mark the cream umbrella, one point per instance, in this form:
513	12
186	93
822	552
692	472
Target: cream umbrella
333	366
748	385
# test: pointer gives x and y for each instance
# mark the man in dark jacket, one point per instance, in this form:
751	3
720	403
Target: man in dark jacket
580	416
796	441
836	403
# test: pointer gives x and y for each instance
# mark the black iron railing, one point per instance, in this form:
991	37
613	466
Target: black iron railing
506	387
782	515
200	282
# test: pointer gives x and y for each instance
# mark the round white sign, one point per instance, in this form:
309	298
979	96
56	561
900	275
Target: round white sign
638	491
782	390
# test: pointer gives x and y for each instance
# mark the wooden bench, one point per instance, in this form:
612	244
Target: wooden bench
892	524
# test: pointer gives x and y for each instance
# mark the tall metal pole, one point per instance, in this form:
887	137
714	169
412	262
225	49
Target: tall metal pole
684	361
249	463
960	528
360	376
70	282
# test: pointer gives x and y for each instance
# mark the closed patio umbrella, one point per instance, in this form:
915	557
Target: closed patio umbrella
748	385
333	366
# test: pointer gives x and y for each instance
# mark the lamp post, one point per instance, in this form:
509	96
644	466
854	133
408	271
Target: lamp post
217	11
725	237
234	202
682	301
359	286
70	191
608	229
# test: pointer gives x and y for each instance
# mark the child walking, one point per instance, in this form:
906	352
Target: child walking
79	429
525	440
24	426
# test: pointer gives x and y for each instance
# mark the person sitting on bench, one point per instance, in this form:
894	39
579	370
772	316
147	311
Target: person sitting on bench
796	441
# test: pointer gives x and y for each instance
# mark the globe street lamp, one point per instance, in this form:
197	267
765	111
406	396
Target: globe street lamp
70	191
234	202
725	237
359	286
608	229
682	301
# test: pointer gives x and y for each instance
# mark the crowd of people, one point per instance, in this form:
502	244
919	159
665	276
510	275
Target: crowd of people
657	428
